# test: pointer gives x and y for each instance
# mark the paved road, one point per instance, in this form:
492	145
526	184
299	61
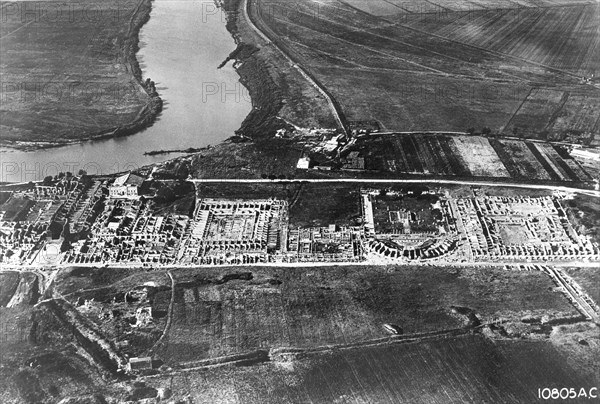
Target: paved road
403	181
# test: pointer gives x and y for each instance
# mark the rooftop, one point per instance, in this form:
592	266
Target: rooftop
128	179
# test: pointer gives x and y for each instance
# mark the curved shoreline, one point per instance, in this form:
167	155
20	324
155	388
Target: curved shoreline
145	117
262	120
267	100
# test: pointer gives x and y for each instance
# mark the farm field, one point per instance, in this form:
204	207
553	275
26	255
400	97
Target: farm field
226	311
464	369
557	115
536	112
528	165
579	115
588	279
467	156
66	67
481	158
390	7
439	68
561	36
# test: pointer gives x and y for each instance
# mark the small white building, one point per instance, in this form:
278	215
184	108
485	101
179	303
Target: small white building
139	363
126	186
303	163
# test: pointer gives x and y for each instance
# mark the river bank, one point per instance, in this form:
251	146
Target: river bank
253	69
276	95
126	58
203	104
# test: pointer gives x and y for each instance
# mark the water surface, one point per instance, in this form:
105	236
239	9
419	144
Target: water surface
181	47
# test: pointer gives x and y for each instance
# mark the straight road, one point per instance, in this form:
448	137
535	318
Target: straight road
581	300
558	188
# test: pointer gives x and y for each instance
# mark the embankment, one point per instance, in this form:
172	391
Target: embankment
253	70
84	333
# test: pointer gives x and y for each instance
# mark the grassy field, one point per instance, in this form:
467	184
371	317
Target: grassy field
69	69
222	311
395	7
446	70
583	212
466	156
527	33
280	94
238	160
466	369
8	285
16	209
38	361
588	279
289	307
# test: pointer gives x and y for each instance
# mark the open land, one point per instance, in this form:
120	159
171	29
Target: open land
447	370
462	156
159	285
287	281
321	326
447	68
72	74
589	279
280	94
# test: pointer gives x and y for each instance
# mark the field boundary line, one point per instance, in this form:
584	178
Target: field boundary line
517	110
375	50
498	53
258	355
158	343
495	52
555	114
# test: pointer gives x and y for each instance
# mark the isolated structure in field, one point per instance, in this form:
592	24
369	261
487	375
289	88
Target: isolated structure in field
236	231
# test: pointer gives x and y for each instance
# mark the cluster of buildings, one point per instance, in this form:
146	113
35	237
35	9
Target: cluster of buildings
127	232
519	228
107	221
26	216
393	235
235	232
482	229
326	244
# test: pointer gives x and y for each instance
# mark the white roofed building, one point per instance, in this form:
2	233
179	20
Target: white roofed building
126	186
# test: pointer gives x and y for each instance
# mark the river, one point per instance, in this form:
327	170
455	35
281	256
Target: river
181	47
